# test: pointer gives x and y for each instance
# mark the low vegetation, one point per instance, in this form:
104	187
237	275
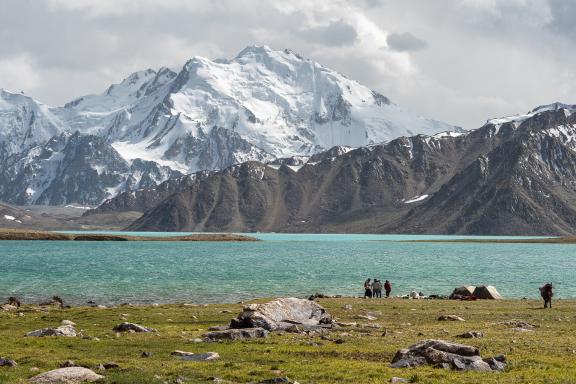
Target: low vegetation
354	354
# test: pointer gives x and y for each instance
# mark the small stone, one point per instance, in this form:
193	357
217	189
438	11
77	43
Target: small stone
347	307
145	354
67	364
4	362
399	380
236	334
110	365
471	335
450	318
278	380
189	356
68	322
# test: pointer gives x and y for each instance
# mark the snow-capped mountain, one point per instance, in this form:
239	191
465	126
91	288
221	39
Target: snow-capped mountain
261	105
25	123
276	103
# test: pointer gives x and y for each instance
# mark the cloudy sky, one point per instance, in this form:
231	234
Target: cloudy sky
460	61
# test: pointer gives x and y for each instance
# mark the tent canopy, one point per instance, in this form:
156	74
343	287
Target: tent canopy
463	291
487	292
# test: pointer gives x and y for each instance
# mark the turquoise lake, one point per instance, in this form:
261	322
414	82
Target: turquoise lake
281	265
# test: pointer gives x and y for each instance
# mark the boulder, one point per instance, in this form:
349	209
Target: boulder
450	318
63	330
66	376
5	362
280	314
487	292
445	354
131	327
189	356
235	334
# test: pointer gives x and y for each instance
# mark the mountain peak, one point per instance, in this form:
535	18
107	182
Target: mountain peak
552	107
517	119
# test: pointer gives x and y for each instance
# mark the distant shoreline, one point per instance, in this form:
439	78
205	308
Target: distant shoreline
16	234
550	240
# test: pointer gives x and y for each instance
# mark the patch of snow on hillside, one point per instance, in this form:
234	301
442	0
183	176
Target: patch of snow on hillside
416	199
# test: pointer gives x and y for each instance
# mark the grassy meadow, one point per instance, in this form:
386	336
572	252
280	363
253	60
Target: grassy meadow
362	355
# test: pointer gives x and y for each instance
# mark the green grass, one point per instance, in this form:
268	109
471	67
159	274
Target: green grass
547	355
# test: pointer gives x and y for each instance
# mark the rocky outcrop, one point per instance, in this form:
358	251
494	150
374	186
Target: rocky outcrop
281	314
446	355
67	375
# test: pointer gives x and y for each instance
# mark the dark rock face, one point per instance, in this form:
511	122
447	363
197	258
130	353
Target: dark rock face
445	354
74	168
281	314
502	179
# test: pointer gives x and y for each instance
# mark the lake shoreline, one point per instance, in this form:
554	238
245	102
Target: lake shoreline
17	234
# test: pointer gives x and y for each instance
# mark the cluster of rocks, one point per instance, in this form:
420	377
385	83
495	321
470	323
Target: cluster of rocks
447	355
286	314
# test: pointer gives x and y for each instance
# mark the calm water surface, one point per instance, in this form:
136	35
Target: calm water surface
281	265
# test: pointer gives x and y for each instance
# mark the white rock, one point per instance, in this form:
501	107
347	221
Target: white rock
71	375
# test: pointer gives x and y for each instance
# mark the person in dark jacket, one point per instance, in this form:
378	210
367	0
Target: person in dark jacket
367	289
387	288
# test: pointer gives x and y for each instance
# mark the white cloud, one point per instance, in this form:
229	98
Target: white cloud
17	73
484	58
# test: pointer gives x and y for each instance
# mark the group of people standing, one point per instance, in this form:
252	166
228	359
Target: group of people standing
373	289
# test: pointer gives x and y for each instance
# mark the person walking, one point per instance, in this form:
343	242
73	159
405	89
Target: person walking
377	288
367	289
387	288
